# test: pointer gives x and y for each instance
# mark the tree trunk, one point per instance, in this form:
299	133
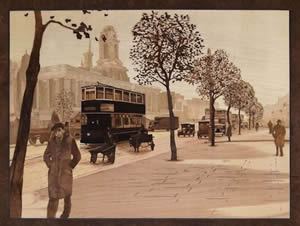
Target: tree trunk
253	121
249	126
17	166
172	126
240	121
228	119
212	120
228	115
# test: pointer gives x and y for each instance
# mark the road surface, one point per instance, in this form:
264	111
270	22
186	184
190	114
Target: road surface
237	179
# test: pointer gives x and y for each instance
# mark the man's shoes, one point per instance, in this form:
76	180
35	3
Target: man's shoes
64	216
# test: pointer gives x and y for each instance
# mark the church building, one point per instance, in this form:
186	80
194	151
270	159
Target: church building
108	70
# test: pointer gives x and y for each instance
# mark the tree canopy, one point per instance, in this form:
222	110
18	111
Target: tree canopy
164	48
213	74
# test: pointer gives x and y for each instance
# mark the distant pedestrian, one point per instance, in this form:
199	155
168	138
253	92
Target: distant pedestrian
229	132
279	134
270	125
257	126
57	156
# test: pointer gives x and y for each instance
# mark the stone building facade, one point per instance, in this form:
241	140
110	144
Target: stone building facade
279	110
109	70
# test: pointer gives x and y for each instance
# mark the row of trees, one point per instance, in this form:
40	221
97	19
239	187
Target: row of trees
167	49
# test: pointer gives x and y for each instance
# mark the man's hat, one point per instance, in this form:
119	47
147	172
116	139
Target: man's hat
57	125
278	120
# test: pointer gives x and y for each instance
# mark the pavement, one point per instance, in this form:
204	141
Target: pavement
230	180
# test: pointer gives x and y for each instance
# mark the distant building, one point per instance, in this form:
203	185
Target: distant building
109	70
279	110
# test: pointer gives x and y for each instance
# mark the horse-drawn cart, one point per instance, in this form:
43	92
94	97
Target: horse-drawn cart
136	140
108	150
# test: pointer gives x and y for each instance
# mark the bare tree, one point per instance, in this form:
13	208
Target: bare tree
64	104
17	166
164	49
212	74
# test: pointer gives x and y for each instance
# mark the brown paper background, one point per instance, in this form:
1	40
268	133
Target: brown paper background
292	5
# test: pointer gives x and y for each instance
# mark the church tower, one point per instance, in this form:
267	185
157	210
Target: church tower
109	63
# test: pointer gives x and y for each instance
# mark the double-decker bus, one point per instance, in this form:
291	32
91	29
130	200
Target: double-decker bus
110	109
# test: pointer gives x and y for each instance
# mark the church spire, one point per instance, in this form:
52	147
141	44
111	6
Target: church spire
88	58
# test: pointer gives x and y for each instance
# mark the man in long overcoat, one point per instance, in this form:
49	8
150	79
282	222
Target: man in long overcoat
58	158
279	134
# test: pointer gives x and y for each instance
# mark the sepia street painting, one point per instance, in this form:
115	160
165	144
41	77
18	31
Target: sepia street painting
149	114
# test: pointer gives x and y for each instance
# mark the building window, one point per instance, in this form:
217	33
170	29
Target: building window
133	97
118	95
99	93
108	93
126	96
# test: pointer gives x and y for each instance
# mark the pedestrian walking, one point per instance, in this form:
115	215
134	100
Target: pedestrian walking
257	126
58	158
229	132
270	125
279	134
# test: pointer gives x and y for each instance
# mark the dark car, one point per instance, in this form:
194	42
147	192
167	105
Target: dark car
187	129
203	128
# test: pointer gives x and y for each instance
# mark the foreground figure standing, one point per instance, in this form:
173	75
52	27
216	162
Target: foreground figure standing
58	158
279	134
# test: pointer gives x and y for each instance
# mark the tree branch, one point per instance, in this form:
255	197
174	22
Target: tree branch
59	23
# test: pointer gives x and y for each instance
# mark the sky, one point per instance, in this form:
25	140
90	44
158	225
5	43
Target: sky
256	41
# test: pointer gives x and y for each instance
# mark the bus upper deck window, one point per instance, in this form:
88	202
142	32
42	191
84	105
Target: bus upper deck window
126	96
90	94
82	94
99	93
118	95
133	97
139	99
108	93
